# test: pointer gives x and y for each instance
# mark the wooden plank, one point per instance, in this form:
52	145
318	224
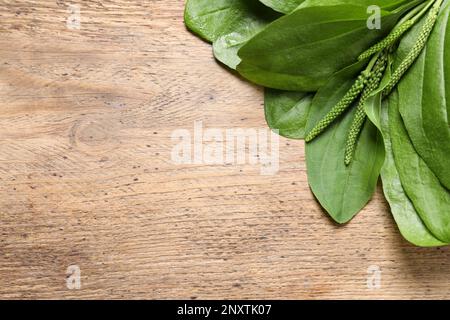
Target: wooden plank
87	178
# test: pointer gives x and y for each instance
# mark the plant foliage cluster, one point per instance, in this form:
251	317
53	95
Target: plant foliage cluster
369	103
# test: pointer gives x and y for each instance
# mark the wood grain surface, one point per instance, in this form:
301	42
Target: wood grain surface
86	176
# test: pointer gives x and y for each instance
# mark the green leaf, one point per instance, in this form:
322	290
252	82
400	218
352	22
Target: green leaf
342	190
284	6
405	215
211	19
287	112
226	47
424	98
300	51
429	197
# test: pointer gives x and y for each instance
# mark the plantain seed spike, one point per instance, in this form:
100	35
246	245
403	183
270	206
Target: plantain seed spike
355	130
388	41
340	108
360	116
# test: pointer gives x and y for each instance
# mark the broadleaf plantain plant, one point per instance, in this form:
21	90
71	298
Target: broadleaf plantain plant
368	103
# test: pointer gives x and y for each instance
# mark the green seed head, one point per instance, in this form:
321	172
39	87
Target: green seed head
360	116
388	41
338	109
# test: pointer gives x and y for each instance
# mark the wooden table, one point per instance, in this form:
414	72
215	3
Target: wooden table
87	179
